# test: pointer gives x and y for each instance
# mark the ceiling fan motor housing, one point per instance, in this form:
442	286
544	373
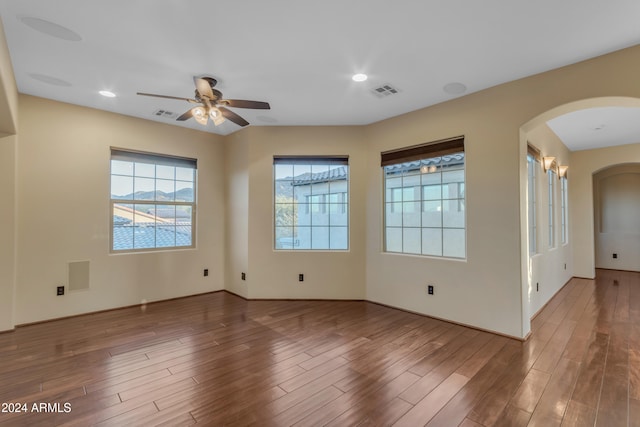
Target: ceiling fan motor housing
211	80
217	95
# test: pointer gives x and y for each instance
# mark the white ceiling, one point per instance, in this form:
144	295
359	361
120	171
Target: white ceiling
598	127
299	55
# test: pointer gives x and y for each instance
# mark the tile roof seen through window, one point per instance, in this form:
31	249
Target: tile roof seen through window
448	160
146	235
335	174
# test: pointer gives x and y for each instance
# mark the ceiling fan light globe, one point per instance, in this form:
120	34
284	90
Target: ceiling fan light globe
216	116
201	119
199	114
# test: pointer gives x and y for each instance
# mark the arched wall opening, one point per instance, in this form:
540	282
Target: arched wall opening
616	213
546	271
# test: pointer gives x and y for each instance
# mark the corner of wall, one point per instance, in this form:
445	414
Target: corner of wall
8	90
8	146
8	152
236	152
545	273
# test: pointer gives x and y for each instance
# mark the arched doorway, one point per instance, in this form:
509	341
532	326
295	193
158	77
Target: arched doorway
554	266
616	213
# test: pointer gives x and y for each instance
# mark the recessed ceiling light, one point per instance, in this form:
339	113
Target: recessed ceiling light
107	93
50	29
454	88
359	77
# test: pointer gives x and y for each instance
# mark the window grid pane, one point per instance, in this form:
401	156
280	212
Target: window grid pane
532	165
425	207
552	185
564	197
138	221
311	205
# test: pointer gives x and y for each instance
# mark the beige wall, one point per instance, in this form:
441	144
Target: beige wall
274	274
550	268
8	90
8	144
489	289
237	213
616	196
484	289
63	211
7	231
584	164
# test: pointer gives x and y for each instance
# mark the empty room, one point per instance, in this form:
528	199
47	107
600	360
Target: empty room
344	214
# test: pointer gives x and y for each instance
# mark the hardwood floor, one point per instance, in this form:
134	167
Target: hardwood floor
217	359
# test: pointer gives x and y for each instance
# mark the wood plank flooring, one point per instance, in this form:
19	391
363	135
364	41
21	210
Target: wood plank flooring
217	359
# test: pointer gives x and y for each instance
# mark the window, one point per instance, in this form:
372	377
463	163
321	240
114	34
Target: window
152	201
552	186
337	203
424	199
311	203
533	161
563	206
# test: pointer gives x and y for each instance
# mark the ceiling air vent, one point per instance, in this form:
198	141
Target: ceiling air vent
165	114
385	90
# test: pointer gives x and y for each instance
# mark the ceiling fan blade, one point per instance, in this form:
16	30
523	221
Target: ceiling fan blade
167	97
203	87
186	116
243	103
230	115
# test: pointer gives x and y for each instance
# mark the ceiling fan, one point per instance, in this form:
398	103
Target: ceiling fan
213	106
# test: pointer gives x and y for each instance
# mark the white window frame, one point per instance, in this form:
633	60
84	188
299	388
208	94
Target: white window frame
152	221
552	178
413	164
315	204
533	163
564	210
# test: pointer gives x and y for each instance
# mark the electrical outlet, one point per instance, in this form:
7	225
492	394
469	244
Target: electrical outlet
60	290
430	289
243	276
300	277
206	272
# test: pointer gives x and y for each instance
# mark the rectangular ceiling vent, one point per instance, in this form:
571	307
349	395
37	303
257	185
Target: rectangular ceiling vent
165	114
385	90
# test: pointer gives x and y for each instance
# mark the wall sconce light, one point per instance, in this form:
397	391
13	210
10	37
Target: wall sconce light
547	163
562	171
